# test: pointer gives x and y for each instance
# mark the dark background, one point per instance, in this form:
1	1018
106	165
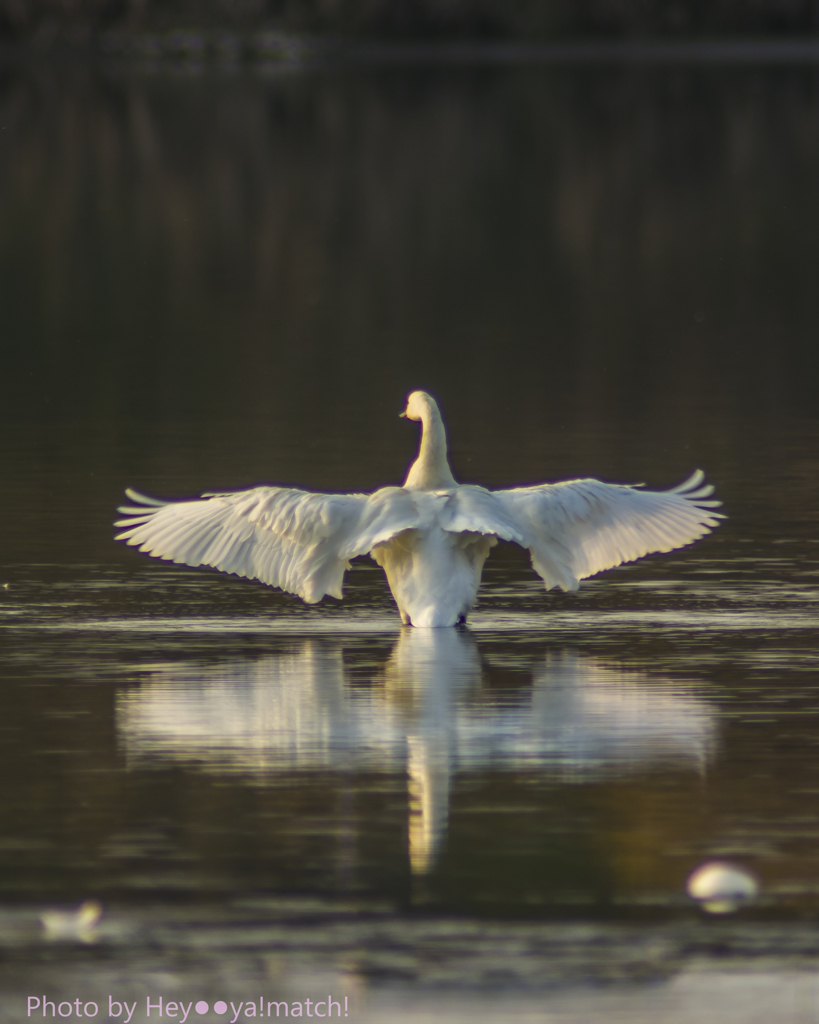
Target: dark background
43	21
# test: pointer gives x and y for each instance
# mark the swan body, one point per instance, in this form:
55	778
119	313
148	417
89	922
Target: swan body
431	536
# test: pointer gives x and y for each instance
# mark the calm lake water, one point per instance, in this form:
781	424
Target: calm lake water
212	279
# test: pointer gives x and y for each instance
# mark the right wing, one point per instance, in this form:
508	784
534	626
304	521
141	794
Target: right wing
578	528
296	540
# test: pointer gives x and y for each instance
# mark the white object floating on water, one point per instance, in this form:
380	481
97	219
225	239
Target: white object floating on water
431	536
80	924
721	888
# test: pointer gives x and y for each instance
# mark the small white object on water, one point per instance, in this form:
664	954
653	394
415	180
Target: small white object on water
80	924
721	888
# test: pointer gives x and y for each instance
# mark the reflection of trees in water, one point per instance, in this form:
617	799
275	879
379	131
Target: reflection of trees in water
426	17
356	215
428	716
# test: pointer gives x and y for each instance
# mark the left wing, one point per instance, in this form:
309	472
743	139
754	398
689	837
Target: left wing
288	538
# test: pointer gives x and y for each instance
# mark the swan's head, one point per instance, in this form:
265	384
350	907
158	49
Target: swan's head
418	403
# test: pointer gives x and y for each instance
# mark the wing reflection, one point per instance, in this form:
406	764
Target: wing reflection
431	711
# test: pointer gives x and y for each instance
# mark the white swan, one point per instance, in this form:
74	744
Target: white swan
430	536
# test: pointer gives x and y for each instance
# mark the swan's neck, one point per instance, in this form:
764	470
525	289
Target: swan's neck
430	471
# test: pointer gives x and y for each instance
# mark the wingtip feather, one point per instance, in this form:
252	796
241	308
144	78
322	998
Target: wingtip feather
142	499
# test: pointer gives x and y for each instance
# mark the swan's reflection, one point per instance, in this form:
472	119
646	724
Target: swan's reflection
429	712
431	674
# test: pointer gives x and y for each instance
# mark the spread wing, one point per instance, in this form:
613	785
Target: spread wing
578	528
293	539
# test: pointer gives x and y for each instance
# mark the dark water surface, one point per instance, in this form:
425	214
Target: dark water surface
210	281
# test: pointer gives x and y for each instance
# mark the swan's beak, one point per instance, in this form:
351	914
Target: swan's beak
403	415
